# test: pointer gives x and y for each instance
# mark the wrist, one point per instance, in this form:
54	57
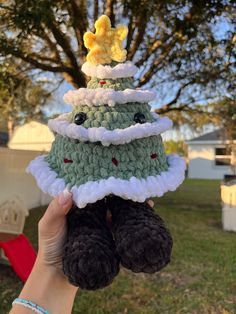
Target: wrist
51	270
49	288
53	274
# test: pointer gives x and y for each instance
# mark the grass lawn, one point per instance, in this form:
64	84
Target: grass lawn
201	278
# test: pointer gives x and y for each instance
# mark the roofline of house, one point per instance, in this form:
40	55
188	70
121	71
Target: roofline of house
190	142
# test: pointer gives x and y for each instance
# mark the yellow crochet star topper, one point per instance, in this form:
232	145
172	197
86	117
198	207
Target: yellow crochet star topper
106	44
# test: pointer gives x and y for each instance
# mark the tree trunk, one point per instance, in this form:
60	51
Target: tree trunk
10	127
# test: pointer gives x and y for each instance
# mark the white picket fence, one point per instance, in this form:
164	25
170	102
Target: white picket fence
228	196
14	181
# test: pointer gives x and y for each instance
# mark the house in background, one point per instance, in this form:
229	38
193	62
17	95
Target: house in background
208	156
34	136
26	142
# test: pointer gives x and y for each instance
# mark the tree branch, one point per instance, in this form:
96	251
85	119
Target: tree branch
156	44
46	67
64	43
178	94
109	10
163	110
77	10
131	28
95	10
76	78
52	46
141	25
5	7
74	71
168	107
152	69
43	58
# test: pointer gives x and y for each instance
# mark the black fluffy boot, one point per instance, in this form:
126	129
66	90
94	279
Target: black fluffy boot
142	240
89	259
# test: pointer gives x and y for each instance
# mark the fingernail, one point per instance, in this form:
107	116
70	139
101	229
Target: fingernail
151	203
64	197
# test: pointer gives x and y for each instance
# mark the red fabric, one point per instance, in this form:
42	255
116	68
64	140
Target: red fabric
154	156
67	161
115	161
20	254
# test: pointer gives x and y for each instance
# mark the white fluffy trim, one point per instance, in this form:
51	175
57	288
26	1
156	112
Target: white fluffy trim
61	126
127	69
107	96
135	189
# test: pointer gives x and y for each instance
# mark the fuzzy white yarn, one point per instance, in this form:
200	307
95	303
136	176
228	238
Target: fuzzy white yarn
135	189
61	126
107	96
121	70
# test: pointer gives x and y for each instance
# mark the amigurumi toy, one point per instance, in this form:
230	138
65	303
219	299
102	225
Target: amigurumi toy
109	153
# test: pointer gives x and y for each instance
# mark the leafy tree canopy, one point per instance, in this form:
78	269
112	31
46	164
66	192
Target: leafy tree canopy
21	99
221	114
185	49
179	147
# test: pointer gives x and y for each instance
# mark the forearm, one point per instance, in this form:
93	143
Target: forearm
49	289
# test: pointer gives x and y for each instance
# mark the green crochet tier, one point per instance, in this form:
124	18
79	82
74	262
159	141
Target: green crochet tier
88	161
117	117
77	162
118	84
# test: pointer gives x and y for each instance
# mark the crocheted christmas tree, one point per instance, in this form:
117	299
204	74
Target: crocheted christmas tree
110	143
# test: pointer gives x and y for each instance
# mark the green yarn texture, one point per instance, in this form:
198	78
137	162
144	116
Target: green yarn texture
117	84
117	117
79	162
93	162
120	116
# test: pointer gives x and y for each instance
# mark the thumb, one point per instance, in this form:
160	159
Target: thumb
54	216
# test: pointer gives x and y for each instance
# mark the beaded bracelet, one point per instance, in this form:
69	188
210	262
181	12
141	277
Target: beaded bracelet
34	307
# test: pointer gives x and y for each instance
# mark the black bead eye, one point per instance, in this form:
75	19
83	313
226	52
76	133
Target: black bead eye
80	118
139	117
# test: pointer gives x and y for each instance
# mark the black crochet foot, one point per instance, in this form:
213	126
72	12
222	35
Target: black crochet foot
142	240
89	260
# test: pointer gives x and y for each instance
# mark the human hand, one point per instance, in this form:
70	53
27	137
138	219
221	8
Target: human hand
52	231
47	286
